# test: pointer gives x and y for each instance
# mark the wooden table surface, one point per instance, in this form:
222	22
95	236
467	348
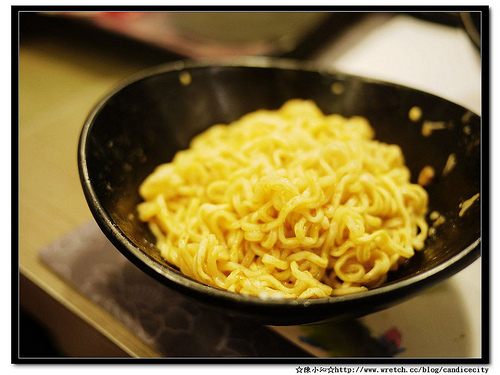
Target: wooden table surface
60	80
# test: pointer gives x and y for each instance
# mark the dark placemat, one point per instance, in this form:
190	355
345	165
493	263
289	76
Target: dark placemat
171	323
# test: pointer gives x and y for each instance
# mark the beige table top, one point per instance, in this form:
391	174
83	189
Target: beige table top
60	81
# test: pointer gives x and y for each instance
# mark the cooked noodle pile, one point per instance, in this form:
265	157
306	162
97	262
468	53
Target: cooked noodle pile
286	204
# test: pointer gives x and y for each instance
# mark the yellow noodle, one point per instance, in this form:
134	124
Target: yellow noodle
286	203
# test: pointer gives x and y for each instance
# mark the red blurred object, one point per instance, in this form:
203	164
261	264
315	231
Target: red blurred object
393	336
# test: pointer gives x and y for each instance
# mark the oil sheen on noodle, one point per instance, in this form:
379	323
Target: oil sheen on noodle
289	203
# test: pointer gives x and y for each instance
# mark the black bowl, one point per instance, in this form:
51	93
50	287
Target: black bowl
150	116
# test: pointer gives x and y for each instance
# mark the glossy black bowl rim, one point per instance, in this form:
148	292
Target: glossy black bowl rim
396	290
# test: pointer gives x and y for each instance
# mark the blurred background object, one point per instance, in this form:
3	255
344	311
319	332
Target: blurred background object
472	25
223	34
214	34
